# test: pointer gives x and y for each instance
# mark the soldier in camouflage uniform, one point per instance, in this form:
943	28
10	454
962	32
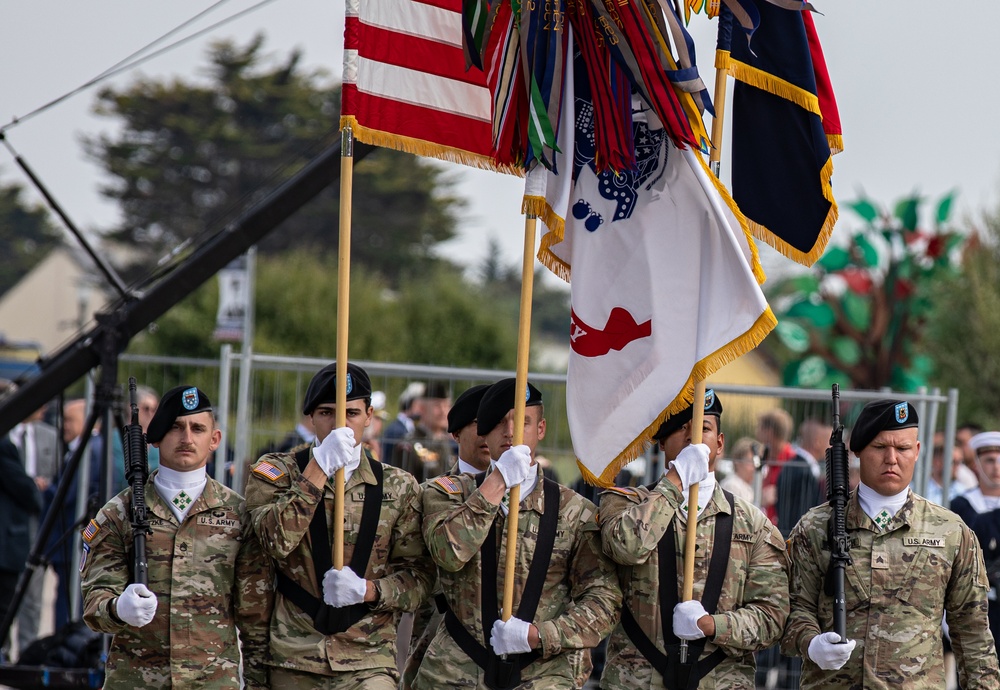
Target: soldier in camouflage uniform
337	628
207	574
566	594
643	529
912	562
473	458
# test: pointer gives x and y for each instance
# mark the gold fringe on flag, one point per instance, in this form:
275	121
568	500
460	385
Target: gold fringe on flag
813	255
420	147
745	223
808	101
539	206
767	82
702	370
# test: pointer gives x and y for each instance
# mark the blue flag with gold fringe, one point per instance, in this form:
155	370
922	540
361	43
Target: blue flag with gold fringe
781	158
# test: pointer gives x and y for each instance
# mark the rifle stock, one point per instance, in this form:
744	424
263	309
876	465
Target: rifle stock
136	472
838	491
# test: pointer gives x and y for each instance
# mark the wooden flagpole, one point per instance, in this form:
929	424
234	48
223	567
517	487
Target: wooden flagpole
697	419
690	537
715	157
698	404
521	384
343	312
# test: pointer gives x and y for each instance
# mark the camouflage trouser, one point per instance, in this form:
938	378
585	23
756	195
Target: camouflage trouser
366	679
425	625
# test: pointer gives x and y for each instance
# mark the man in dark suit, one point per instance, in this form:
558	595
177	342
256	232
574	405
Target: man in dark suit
19	501
38	446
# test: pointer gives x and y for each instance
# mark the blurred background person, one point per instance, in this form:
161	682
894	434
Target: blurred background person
38	445
745	459
963	479
410	402
302	435
69	516
372	437
429	450
19	502
798	485
774	429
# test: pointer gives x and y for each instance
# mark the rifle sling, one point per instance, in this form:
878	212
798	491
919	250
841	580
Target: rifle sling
329	619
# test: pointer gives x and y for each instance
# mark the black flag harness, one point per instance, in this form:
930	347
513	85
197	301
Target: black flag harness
676	675
329	619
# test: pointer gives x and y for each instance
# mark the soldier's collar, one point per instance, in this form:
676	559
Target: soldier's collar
364	472
718	504
858	519
536	499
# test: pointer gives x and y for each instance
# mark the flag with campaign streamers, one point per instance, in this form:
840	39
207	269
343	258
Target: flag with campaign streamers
664	280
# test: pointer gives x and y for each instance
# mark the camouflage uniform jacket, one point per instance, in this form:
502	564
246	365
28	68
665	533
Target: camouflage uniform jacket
210	577
753	604
580	596
900	583
282	509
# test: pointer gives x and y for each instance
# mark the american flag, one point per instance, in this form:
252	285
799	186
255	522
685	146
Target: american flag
405	82
268	471
91	531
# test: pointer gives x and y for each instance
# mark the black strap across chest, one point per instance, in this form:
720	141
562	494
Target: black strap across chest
328	619
502	674
667	560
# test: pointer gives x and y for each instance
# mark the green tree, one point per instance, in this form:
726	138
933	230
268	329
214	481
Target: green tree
549	305
437	319
861	313
963	335
188	156
26	235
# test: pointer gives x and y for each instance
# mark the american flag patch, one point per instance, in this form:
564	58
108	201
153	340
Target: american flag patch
91	531
448	484
268	471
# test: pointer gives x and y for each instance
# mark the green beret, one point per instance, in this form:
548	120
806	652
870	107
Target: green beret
498	400
878	416
713	407
176	402
323	387
463	412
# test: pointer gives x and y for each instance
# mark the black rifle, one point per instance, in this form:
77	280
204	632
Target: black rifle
137	471
838	490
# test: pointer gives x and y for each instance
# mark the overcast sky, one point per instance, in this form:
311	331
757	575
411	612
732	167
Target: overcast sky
912	81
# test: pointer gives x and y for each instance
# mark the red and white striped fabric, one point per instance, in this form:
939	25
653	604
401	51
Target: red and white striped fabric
405	82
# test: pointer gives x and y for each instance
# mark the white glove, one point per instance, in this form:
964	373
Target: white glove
515	465
510	636
691	464
336	450
686	616
136	606
827	651
343	587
